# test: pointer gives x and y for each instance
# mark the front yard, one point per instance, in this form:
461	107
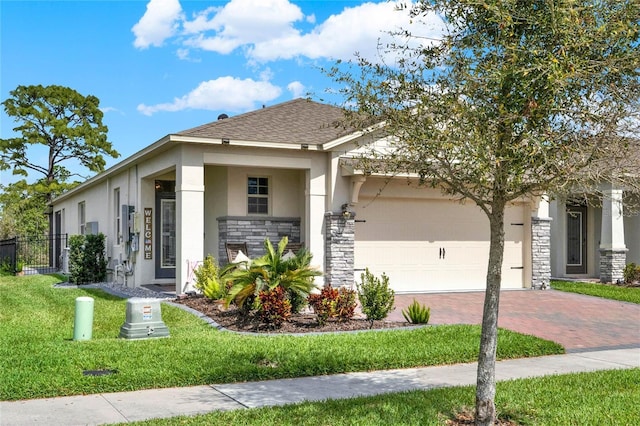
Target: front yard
38	357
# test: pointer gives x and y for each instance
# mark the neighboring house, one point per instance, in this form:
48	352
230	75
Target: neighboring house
594	242
285	170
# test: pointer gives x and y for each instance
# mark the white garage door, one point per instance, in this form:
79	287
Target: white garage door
433	245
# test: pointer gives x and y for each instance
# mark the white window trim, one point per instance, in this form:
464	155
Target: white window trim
118	216
82	217
268	196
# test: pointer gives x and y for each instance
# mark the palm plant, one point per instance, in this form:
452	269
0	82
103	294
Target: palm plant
294	274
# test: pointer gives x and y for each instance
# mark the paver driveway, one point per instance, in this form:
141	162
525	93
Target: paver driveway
575	321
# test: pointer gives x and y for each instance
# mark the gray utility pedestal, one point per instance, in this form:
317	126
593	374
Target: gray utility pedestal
143	320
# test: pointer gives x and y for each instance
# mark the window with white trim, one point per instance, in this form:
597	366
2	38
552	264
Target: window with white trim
82	225
257	195
118	215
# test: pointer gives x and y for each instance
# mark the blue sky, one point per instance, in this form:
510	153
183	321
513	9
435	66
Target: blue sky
162	66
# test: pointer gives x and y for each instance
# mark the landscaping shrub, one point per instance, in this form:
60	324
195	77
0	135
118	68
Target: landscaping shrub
294	275
95	261
376	297
297	301
19	267
208	279
275	308
345	304
416	313
6	268
631	273
324	303
77	273
333	303
87	262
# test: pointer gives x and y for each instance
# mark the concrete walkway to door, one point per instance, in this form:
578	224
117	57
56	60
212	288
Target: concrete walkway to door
578	322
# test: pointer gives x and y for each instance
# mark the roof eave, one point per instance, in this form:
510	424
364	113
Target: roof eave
247	144
352	136
174	138
127	162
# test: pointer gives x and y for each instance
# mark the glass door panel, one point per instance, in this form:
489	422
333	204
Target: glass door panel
168	229
576	240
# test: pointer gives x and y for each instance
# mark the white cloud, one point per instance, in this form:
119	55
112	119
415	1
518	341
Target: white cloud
266	29
297	89
106	110
160	22
241	22
224	93
356	29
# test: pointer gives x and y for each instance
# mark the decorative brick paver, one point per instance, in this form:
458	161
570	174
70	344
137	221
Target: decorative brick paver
575	321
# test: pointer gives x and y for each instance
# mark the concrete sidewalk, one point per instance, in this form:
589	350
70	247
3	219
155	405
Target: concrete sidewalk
159	403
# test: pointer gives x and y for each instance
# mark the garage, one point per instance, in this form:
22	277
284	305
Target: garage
433	244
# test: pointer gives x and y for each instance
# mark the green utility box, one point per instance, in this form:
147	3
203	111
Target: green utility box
143	320
83	319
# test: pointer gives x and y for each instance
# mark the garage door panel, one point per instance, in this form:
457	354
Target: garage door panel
434	245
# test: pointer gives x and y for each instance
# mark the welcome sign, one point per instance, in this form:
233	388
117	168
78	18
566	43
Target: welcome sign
148	233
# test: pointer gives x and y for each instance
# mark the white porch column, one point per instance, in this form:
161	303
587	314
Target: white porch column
315	206
613	251
189	217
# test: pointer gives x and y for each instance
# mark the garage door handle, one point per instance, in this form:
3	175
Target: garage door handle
442	254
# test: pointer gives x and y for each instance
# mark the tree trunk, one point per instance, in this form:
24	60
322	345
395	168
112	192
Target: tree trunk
486	381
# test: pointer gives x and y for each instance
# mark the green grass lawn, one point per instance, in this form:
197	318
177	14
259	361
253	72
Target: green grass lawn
600	398
38	357
614	292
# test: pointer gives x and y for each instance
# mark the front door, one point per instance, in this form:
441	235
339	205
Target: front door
165	229
576	240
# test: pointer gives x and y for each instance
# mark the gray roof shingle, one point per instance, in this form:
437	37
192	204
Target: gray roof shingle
299	121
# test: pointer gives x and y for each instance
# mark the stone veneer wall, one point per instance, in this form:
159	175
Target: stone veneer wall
339	249
612	263
540	253
254	230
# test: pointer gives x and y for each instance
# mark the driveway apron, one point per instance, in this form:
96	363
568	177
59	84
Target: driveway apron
577	322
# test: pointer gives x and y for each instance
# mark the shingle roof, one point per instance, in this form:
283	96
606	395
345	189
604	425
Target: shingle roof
299	121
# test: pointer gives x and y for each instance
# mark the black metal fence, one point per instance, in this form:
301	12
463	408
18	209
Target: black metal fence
41	254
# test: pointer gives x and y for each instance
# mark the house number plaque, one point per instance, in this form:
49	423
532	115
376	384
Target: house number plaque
148	233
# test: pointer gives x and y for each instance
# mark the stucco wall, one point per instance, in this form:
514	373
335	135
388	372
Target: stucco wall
285	198
100	206
215	205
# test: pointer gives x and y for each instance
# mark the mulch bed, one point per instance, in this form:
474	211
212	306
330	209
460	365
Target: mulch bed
231	319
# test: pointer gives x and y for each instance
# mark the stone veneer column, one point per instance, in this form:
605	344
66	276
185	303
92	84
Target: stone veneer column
612	263
613	252
540	252
339	248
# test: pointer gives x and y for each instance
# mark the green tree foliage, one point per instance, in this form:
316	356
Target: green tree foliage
517	98
23	207
66	123
22	211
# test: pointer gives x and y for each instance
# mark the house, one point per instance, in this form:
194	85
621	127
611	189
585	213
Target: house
285	170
